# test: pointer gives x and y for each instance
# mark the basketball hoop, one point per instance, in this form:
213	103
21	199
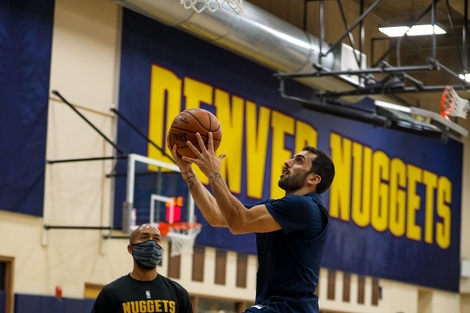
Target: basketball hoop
227	6
452	104
182	236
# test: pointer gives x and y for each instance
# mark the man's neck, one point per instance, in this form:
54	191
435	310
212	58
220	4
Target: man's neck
144	275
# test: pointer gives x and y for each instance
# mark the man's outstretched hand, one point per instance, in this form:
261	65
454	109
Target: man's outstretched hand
205	159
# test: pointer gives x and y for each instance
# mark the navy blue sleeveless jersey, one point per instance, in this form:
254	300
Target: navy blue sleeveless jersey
290	259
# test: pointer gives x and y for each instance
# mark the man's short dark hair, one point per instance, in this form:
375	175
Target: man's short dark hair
323	166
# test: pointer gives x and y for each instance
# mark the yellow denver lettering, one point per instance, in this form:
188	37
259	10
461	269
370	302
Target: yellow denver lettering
281	125
257	131
196	92
230	115
305	134
165	97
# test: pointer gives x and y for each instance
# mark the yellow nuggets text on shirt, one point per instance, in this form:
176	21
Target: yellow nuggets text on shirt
149	306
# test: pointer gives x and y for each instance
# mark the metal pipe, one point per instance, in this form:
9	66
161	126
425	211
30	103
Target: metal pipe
339	110
86	159
47	227
322	73
464	38
359	20
138	131
433	23
55	92
386	91
322	31
454	34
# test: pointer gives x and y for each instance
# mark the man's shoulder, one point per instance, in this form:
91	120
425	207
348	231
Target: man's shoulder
305	198
171	282
118	282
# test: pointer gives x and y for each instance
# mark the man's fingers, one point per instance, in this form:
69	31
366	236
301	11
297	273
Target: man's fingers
193	148
210	143
202	146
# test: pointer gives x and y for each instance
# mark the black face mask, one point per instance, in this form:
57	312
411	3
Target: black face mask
148	253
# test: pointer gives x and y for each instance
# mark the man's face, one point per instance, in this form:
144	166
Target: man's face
295	171
146	232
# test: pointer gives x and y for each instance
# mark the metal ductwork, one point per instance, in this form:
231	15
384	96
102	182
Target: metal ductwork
256	35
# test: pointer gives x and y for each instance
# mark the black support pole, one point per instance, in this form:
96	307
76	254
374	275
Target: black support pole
55	92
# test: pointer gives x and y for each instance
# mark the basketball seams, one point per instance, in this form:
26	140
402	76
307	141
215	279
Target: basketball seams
200	122
190	122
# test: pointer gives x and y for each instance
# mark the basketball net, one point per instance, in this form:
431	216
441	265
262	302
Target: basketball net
452	104
182	236
227	6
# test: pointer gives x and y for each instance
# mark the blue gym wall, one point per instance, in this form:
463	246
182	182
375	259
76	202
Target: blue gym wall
358	247
394	205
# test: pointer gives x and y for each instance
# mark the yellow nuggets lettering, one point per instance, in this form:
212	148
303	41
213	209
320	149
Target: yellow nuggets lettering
373	189
149	306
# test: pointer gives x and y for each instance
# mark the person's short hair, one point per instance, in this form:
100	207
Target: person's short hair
323	166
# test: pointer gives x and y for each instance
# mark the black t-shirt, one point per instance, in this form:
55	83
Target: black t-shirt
127	295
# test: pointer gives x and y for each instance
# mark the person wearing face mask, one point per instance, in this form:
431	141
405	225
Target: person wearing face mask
143	289
290	231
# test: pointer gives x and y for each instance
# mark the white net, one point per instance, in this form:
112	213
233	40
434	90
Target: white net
453	105
182	237
227	6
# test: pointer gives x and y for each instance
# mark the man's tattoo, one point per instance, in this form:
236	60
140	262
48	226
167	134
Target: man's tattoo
215	176
189	178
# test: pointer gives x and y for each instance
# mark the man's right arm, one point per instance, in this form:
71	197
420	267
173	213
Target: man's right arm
204	200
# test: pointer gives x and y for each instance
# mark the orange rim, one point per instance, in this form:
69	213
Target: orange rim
446	106
164	228
185	225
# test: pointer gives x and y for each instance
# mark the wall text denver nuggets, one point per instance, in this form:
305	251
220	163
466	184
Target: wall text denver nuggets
371	188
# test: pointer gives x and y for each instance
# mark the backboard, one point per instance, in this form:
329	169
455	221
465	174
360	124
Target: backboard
155	193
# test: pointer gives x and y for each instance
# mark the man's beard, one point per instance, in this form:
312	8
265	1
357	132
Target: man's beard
292	183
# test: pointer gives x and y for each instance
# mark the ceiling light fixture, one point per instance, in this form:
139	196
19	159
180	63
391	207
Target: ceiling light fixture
465	77
392	106
415	30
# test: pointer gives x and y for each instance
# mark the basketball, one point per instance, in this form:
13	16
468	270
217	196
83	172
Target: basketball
187	124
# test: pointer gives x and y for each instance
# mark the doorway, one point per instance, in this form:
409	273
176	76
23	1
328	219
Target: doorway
6	284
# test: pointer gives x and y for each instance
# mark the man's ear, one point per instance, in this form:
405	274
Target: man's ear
129	248
313	179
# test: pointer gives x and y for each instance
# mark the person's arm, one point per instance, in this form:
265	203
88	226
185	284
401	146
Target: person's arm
239	219
202	197
204	200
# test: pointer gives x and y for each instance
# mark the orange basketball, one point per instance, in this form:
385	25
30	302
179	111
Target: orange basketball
187	124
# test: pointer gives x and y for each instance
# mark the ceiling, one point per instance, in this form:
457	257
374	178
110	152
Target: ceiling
409	53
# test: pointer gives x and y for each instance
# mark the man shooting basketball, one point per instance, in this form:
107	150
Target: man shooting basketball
290	232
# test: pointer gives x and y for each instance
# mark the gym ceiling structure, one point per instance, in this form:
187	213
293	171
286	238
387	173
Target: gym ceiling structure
314	40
